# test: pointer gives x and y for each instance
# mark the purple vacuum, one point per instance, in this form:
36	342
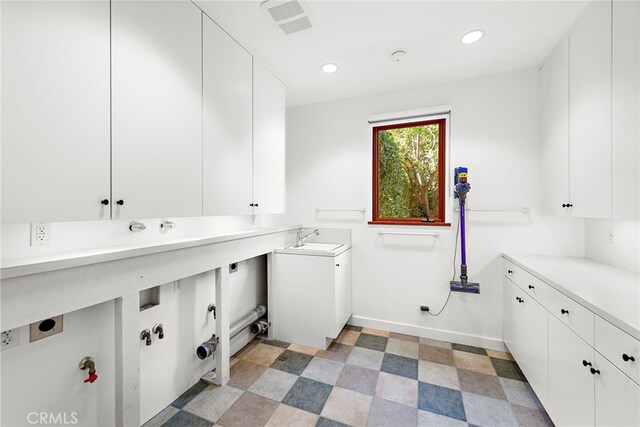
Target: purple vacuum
461	188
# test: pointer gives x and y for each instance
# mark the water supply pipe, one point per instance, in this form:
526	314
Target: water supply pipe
259	327
247	320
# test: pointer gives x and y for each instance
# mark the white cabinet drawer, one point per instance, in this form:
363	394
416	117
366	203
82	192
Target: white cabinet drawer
614	344
526	281
572	314
508	269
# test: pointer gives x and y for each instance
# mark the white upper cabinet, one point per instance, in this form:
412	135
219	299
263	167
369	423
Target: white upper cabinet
590	112
55	111
227	123
268	141
626	111
554	156
157	109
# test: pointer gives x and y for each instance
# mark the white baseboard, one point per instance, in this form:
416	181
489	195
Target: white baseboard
435	334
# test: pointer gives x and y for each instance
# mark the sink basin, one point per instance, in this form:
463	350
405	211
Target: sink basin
316	247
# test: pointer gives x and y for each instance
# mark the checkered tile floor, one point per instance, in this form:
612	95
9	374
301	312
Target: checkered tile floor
367	377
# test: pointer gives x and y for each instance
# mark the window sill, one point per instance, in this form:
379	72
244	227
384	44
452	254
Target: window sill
418	223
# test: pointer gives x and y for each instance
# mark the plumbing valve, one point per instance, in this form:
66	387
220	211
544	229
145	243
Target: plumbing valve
158	329
212	309
146	336
88	363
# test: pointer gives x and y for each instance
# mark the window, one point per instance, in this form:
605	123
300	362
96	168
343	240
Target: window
409	173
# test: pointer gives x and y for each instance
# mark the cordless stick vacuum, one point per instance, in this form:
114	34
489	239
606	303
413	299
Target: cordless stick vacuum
461	188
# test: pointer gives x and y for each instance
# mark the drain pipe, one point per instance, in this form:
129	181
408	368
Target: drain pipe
247	320
207	348
259	327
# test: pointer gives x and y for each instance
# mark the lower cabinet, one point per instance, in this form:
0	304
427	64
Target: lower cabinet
311	297
525	333
582	371
571	391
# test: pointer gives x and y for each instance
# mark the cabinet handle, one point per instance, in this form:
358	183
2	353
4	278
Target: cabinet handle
626	357
120	202
518	299
510	271
594	371
563	311
521	300
105	202
256	205
570	205
567	205
585	363
531	286
337	265
251	204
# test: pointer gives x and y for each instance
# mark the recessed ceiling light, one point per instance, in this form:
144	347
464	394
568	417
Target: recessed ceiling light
472	36
329	68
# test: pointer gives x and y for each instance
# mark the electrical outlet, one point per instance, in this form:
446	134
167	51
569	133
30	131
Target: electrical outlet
177	286
40	234
10	338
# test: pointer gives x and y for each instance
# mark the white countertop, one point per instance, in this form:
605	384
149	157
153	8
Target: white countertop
42	264
609	292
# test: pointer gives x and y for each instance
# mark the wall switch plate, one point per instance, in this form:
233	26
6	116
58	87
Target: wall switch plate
10	339
40	234
45	328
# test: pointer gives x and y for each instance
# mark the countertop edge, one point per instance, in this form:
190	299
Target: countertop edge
624	326
71	260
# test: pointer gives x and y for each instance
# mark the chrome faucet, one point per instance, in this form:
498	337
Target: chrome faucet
300	239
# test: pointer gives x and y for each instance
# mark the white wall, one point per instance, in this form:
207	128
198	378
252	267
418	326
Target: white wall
623	251
493	131
44	376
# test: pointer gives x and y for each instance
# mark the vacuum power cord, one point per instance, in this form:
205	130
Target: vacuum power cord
455	255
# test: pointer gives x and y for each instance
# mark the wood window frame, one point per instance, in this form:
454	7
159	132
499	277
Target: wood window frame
442	171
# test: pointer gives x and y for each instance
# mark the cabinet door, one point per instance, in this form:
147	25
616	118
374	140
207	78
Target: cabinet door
510	317
626	108
554	153
157	143
534	347
55	110
571	387
617	397
227	125
268	141
590	112
343	291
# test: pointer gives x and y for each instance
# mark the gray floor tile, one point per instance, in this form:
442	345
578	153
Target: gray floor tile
399	365
397	389
323	370
441	400
336	351
358	379
188	395
183	418
273	384
384	413
438	374
402	348
469	349
366	358
212	403
430	419
162	417
326	422
308	395
507	369
353	328
276	343
372	342
486	411
347	406
292	362
482	384
531	417
518	393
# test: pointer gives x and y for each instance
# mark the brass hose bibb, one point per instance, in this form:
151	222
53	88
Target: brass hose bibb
88	363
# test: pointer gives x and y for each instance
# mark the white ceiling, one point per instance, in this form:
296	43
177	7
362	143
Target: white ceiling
360	36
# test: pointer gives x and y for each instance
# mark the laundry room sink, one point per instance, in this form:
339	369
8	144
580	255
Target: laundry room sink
316	247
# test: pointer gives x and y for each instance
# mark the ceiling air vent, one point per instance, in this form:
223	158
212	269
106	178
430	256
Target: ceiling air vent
290	17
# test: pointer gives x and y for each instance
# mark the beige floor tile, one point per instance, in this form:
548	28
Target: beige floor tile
473	362
402	348
233	361
287	416
435	343
397	389
213	402
249	410
348	337
436	354
246	349
244	373
403	337
377	332
347	407
263	354
274	384
303	349
438	374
